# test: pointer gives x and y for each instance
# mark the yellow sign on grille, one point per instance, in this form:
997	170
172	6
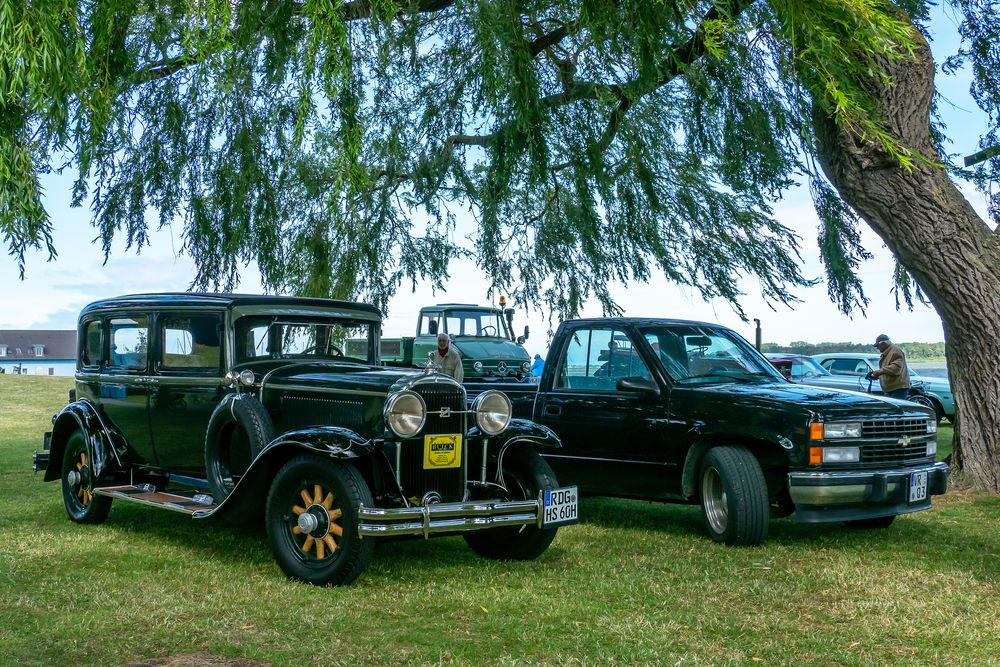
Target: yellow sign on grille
442	451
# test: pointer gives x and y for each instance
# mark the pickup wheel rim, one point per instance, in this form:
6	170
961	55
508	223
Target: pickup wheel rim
313	523
713	500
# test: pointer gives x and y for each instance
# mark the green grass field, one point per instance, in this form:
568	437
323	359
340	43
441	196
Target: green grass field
636	583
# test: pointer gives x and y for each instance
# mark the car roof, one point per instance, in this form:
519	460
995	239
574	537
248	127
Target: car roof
221	300
641	321
846	355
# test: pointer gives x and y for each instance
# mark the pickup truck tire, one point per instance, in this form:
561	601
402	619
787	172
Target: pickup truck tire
238	429
82	505
325	549
525	475
734	500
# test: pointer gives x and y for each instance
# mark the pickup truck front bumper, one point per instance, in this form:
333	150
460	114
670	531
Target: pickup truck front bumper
848	495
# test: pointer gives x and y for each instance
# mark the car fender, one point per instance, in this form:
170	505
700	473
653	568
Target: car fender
248	496
769	450
83	415
519	430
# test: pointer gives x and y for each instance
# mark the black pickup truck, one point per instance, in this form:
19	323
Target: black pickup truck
689	412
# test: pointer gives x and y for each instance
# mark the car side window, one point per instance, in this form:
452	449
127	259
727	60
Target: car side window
129	337
429	324
847	367
91	353
191	342
596	359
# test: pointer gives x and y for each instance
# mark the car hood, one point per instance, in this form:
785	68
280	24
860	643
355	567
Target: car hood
490	348
340	375
815	401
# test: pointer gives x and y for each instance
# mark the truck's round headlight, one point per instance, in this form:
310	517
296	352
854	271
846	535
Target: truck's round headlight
492	410
526	367
477	366
405	413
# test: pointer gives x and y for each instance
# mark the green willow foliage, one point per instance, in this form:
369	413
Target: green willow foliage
342	145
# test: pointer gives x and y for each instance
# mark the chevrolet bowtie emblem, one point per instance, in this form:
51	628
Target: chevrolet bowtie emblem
904	441
446	412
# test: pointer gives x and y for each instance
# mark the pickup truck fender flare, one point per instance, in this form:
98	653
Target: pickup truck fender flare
765	449
248	496
82	415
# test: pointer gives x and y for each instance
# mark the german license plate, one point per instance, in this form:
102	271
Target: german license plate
560	507
918	486
442	451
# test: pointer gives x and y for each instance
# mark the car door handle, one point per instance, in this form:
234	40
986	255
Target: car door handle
552	410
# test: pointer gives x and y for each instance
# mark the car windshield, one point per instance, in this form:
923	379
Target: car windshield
697	353
478	323
312	338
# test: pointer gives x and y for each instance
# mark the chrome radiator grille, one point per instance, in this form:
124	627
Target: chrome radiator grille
449	483
893	453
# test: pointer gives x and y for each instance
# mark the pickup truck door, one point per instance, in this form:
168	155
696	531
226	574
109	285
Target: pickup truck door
613	440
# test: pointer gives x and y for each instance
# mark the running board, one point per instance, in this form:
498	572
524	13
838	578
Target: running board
148	495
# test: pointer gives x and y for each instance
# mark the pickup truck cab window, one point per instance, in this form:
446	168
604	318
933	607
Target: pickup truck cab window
694	353
596	359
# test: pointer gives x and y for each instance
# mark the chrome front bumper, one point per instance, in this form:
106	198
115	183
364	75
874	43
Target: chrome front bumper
846	495
435	518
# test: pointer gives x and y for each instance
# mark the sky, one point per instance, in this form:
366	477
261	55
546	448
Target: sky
52	293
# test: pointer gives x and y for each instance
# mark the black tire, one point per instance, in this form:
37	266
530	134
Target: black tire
307	556
877	522
734	500
82	505
525	473
927	402
237	431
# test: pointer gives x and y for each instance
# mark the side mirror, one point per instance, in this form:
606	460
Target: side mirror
638	385
526	332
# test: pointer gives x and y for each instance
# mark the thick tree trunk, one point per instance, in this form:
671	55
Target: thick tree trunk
940	239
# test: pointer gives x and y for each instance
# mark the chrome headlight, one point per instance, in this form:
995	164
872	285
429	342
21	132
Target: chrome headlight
492	410
405	413
477	366
833	430
526	367
931	426
932	448
841	454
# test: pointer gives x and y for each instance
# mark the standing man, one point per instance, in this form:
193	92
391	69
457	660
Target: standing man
447	358
892	372
537	366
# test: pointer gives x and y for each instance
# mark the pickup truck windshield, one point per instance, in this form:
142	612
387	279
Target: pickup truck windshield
691	353
283	338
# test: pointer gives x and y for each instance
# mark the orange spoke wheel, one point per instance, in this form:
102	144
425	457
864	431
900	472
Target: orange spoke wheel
312	520
82	505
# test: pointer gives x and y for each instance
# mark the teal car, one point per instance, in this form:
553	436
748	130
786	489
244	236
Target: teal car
858	364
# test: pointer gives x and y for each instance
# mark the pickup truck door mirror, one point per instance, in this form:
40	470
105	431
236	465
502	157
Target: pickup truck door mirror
638	385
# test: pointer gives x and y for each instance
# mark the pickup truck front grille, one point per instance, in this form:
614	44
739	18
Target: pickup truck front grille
893	428
893	453
449	483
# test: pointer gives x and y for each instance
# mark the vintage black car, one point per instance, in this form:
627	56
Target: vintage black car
235	406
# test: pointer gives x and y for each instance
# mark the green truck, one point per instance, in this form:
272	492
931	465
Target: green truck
483	335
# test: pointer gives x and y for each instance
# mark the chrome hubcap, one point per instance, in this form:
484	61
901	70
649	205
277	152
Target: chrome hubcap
713	500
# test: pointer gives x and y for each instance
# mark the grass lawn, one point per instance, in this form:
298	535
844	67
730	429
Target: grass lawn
636	583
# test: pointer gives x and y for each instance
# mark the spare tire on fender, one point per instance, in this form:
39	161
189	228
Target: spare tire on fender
237	432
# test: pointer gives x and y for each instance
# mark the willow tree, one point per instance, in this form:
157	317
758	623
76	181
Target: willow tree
347	147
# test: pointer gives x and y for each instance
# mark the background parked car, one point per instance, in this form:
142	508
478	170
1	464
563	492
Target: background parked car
806	370
854	364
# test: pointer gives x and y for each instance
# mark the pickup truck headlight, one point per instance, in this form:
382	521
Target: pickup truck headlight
931	426
405	413
932	448
841	454
493	411
834	430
